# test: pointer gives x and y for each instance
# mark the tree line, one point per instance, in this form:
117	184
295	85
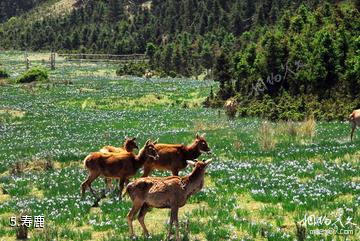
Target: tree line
257	50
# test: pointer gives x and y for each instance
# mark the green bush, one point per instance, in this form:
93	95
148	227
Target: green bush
135	69
34	74
4	74
294	108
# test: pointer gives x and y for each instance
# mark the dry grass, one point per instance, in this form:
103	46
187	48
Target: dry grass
12	113
33	165
307	128
52	8
299	131
266	136
202	126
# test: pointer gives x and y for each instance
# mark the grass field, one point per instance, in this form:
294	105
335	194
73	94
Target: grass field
265	177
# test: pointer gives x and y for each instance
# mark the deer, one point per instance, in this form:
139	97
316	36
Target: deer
129	146
354	119
164	192
172	157
123	165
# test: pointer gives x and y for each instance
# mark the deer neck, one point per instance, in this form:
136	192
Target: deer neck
140	159
194	182
127	148
192	152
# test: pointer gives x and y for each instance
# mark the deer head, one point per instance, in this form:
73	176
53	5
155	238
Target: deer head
201	143
150	150
130	144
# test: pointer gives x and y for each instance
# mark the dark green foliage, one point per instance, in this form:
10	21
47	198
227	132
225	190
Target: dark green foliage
305	64
223	75
286	107
33	75
135	69
4	73
9	8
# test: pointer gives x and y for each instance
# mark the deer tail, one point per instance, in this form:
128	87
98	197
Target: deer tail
351	116
86	160
128	189
126	192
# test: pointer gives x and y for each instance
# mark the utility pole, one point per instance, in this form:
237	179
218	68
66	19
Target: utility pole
52	60
27	61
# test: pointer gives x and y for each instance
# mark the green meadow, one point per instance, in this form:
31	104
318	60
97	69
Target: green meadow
265	176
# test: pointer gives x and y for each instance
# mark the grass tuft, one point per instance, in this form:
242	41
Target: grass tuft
266	136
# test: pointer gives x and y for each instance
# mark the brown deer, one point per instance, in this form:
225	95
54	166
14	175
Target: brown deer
231	108
167	192
129	146
173	157
122	165
354	119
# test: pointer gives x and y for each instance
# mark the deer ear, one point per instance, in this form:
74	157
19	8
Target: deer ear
197	136
156	141
191	163
126	137
203	135
134	138
207	162
147	142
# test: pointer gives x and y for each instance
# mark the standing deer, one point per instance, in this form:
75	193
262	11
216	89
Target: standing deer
354	119
167	192
231	108
123	165
129	146
173	157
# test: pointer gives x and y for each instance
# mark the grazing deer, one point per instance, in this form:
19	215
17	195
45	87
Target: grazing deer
129	146
123	165
167	192
173	157
354	119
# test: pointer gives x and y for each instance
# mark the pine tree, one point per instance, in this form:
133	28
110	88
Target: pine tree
222	73
75	40
167	58
114	11
150	52
178	60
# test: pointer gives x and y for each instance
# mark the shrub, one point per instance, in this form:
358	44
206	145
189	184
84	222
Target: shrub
135	69
4	74
34	74
266	136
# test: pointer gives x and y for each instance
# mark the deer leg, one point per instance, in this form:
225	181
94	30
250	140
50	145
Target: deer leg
171	223
147	171
121	186
130	217
144	209
108	184
176	221
352	131
87	184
